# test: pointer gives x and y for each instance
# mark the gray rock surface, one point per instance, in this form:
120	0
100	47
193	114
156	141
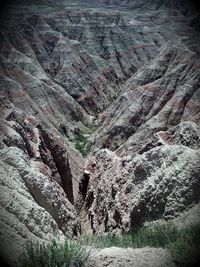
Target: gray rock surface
188	218
37	184
163	95
119	257
25	205
130	67
123	193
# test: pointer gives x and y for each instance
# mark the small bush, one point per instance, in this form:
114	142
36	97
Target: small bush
81	143
53	255
186	248
158	235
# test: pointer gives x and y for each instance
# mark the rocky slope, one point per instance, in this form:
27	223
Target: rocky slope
39	183
152	130
134	72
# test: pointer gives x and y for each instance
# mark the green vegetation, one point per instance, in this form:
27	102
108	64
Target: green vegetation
186	248
53	255
81	136
80	143
159	235
183	244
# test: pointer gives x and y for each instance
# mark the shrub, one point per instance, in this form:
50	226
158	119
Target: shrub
53	254
158	235
186	248
154	236
184	245
81	143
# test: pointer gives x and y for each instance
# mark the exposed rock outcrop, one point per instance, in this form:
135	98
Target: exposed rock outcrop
38	185
157	98
24	202
152	129
133	71
125	192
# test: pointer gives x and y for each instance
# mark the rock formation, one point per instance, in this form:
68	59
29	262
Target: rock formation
125	192
38	181
132	69
154	122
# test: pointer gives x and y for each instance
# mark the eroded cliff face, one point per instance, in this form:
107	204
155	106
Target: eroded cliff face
39	183
144	160
66	70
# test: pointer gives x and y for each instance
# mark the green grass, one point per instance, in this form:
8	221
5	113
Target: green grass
183	244
159	235
154	236
53	254
80	138
80	143
186	248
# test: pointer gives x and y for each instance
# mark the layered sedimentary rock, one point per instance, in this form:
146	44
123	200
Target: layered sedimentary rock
64	61
125	192
24	202
135	74
158	97
38	181
152	129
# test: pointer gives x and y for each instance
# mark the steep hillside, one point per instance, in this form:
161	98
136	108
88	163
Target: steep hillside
120	82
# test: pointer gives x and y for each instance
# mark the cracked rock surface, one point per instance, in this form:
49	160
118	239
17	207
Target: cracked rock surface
124	76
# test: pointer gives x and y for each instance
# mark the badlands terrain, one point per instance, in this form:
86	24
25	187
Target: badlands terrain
99	121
